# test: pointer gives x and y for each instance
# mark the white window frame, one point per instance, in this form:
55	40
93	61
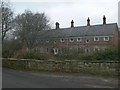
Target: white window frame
95	38
107	37
72	40
62	40
55	51
88	41
79	40
47	41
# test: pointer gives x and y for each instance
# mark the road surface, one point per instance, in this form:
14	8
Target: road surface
26	79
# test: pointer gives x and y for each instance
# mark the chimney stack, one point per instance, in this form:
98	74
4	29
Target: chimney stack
88	22
104	19
57	25
72	23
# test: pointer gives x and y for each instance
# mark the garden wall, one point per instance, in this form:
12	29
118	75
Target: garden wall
93	67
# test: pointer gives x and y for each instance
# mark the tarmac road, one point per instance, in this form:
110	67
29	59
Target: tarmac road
26	79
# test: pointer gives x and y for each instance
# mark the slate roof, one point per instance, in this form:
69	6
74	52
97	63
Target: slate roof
93	30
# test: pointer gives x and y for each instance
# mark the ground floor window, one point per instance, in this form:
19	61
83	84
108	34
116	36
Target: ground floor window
55	51
96	49
47	49
79	49
87	50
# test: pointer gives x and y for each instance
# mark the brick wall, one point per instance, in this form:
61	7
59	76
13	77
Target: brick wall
116	38
91	45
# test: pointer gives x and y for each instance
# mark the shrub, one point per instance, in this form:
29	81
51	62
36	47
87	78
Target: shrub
30	54
109	54
38	56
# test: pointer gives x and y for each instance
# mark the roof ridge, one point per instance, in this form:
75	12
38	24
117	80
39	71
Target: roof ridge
85	26
104	30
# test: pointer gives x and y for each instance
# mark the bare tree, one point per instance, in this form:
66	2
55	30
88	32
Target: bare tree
28	25
7	18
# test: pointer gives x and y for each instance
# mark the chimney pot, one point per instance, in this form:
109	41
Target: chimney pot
104	19
88	22
57	25
72	23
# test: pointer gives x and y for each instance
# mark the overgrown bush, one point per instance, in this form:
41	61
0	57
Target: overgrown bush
9	47
31	54
108	54
37	55
66	56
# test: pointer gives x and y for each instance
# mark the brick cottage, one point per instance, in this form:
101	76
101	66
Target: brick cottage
82	39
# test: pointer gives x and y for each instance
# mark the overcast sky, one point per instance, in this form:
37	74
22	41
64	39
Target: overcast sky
63	11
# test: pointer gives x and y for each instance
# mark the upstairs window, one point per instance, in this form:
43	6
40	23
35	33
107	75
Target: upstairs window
96	38
71	40
106	38
62	40
87	41
78	39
